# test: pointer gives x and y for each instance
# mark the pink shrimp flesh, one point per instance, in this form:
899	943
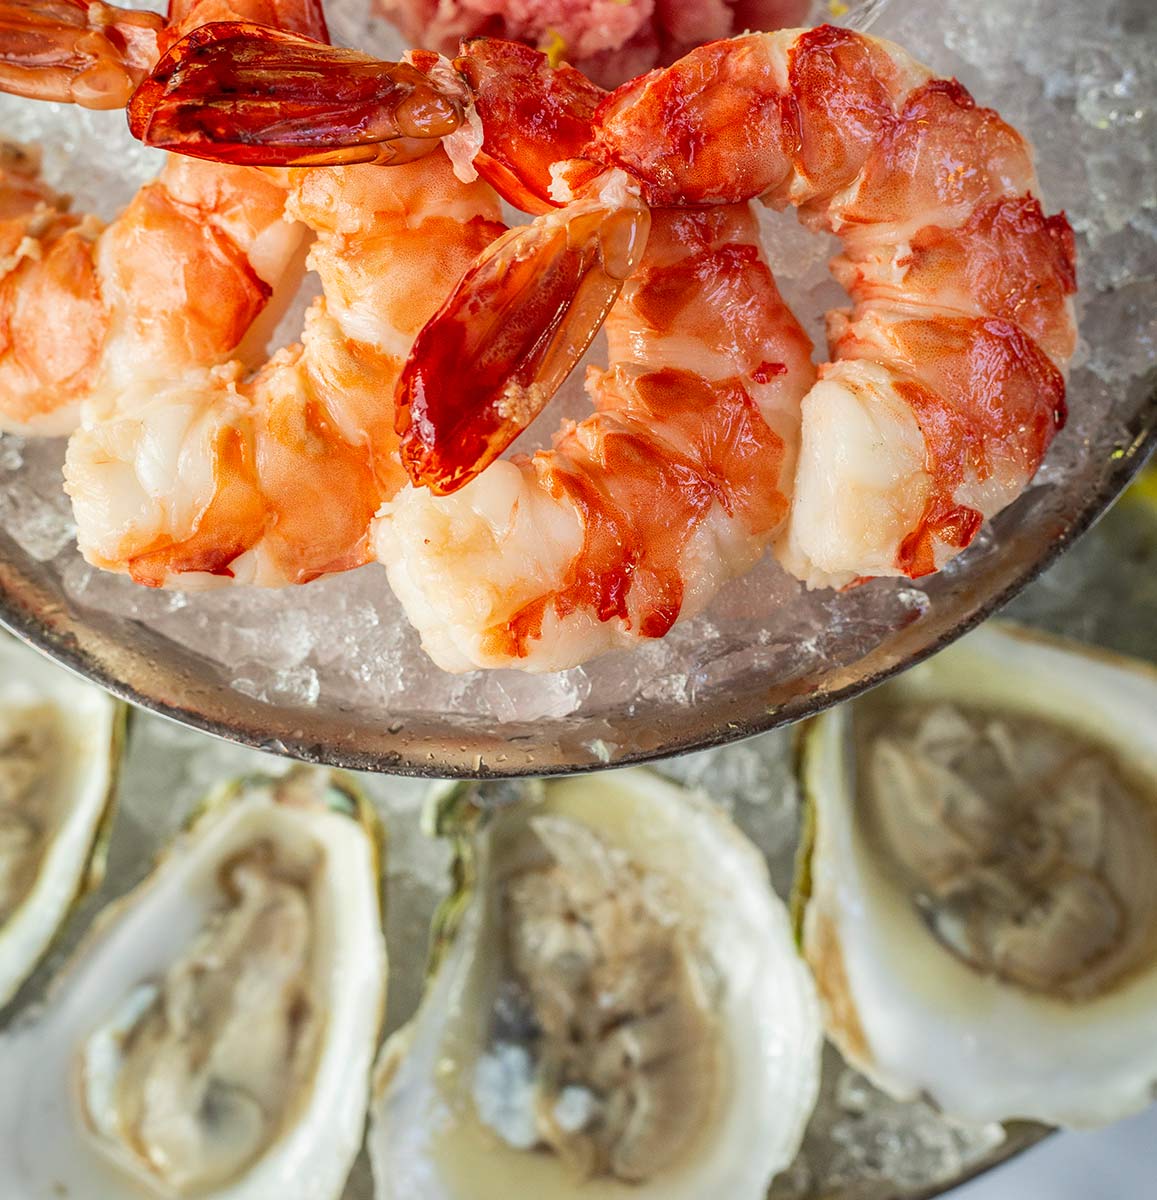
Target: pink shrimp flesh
946	384
637	515
201	248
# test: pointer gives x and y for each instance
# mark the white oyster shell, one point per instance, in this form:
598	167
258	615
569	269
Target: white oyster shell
427	1141
57	1065
905	1009
66	791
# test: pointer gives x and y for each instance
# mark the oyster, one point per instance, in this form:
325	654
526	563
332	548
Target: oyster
617	1008
215	1033
982	917
60	741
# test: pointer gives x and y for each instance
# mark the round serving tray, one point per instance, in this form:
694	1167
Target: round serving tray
766	653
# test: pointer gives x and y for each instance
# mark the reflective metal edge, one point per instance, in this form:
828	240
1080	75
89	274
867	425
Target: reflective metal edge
133	662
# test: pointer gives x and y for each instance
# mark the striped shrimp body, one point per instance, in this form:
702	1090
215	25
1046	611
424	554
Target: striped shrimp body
639	513
207	475
177	278
946	381
196	463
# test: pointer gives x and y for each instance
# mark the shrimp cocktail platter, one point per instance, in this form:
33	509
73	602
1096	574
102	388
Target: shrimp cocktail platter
455	414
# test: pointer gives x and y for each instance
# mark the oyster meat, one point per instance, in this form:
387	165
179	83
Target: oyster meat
215	1034
983	911
60	741
617	1009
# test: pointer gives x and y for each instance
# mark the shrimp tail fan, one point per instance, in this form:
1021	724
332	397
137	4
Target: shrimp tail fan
488	362
74	51
252	95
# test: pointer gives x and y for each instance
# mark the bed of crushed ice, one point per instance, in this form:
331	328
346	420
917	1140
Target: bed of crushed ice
1077	78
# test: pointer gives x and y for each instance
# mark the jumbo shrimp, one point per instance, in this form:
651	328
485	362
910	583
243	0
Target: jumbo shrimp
188	470
212	476
639	513
178	278
946	382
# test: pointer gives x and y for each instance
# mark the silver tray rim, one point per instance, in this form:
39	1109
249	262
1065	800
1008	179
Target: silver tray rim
132	662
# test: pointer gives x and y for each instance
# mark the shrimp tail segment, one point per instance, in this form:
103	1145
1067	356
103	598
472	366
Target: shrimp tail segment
75	51
491	358
535	118
247	94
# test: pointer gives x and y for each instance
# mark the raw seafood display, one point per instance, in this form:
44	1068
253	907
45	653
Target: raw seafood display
617	1008
980	906
944	391
570	553
214	1034
59	745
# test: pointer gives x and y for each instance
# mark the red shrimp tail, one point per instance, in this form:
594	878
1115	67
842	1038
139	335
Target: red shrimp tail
251	95
306	17
75	51
533	116
488	362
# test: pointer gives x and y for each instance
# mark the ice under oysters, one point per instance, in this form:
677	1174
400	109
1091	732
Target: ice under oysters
60	741
982	918
215	1032
617	1008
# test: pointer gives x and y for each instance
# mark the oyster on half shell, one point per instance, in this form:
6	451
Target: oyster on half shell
60	740
214	1035
982	916
617	1008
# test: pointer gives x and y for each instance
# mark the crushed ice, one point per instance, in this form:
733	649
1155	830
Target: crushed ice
1079	79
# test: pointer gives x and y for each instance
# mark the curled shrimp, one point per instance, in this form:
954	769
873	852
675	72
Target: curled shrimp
187	469
639	513
177	278
946	381
211	475
946	378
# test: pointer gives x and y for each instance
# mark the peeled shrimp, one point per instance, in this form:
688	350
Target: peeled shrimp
946	380
639	513
176	279
48	285
204	475
185	470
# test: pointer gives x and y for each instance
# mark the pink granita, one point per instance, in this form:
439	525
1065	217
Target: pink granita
610	40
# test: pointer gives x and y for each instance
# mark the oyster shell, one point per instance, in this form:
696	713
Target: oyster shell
982	917
60	741
215	1033
617	1008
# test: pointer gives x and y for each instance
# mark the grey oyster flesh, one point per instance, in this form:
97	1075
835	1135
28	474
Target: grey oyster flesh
29	740
603	1049
192	1078
1027	847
